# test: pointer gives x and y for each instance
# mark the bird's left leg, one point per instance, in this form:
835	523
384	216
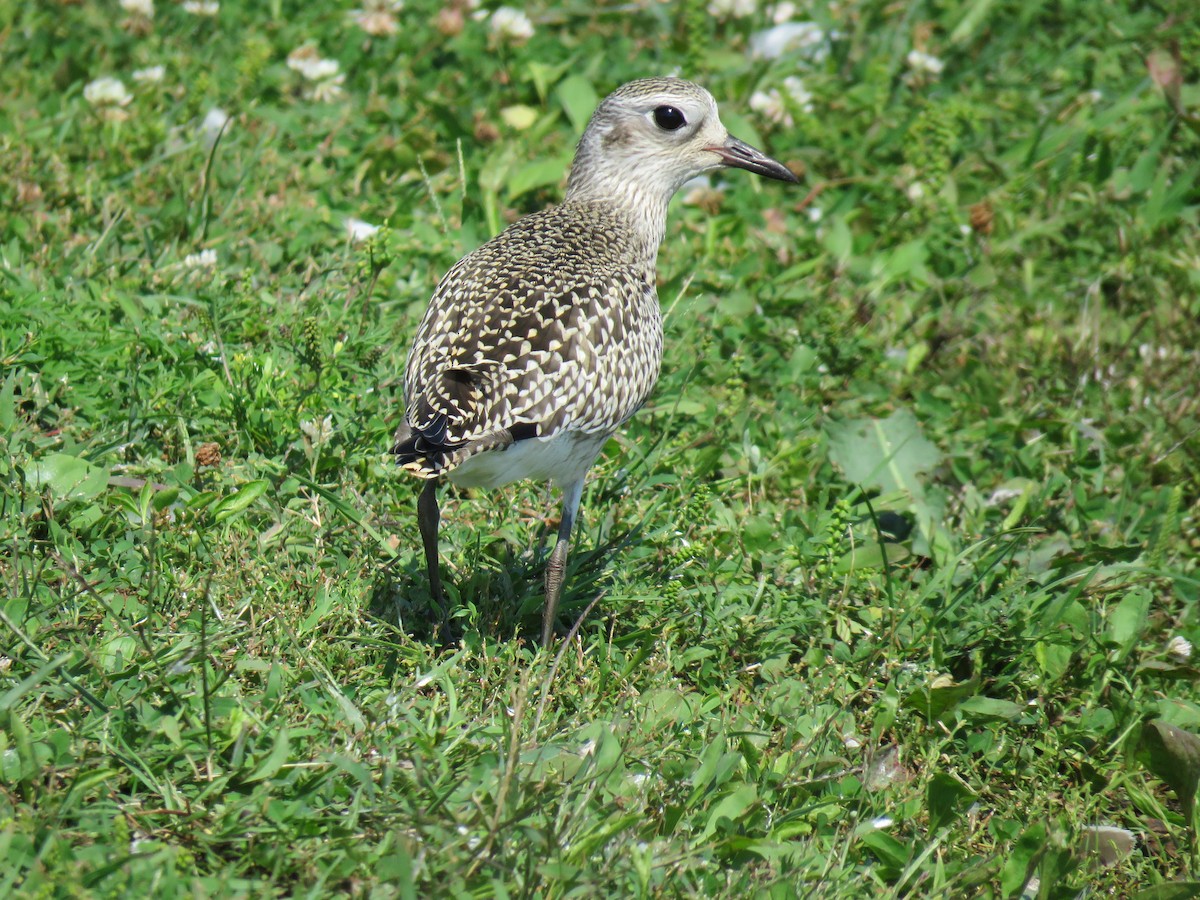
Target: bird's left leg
429	517
556	568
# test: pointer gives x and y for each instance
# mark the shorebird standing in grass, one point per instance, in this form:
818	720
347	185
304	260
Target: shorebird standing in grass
539	345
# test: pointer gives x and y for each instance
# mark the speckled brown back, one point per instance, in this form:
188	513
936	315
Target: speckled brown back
553	325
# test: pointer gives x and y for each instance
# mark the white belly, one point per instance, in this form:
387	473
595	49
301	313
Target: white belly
563	459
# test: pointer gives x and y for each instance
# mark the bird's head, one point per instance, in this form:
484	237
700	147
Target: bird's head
649	137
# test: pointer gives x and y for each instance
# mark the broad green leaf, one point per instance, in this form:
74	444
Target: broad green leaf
1174	756
871	556
945	798
1022	859
1053	658
578	99
938	699
990	708
1128	619
731	807
67	477
237	502
890	850
536	175
890	454
274	760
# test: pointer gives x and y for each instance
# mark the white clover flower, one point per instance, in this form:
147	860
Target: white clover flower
804	39
776	105
732	9
510	24
318	431
325	74
149	75
1179	649
205	259
212	125
378	17
327	89
143	8
358	230
314	68
924	63
770	104
783	12
800	96
107	92
202	7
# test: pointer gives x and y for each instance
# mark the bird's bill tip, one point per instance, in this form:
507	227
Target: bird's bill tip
740	155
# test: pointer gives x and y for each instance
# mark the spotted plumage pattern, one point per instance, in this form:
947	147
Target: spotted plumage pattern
553	326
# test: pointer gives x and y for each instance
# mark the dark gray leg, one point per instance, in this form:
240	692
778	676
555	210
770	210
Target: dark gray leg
556	569
429	517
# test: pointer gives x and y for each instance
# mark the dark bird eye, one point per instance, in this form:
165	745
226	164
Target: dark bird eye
668	118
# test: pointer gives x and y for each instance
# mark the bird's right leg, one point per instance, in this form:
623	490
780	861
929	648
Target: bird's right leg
556	567
429	517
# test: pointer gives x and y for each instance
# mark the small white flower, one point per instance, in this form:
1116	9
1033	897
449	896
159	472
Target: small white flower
358	230
202	7
770	104
378	17
511	25
1179	649
327	89
783	12
318	431
143	8
882	822
314	68
777	105
924	63
804	39
205	259
107	92
732	9
212	125
915	191
150	75
815	214
798	93
325	74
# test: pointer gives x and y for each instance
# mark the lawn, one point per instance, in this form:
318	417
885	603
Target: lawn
890	590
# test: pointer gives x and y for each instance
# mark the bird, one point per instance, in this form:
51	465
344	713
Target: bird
540	344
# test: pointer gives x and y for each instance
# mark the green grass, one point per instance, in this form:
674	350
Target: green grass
881	582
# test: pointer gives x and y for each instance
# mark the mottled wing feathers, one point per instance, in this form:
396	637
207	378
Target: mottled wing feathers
552	325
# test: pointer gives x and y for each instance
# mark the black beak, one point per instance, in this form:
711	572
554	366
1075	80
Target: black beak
741	155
